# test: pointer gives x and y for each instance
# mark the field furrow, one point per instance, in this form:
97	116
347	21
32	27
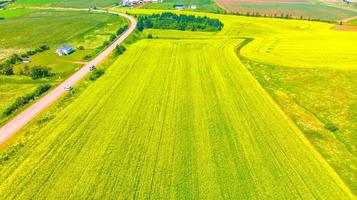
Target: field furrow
171	119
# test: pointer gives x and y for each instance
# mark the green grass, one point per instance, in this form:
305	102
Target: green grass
55	28
202	5
12	87
6	14
69	3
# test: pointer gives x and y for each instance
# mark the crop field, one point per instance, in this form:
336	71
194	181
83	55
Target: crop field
202	5
106	143
88	30
52	29
68	3
182	117
297	8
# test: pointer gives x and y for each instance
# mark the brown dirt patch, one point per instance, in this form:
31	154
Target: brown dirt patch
344	28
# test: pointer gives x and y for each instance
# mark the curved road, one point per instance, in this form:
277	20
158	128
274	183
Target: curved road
27	115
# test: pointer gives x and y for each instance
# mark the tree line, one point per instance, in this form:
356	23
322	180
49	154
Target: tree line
179	22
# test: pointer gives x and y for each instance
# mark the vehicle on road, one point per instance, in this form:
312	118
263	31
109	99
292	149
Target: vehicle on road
68	87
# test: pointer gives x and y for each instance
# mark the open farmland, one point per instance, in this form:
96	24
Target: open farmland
297	8
204	110
53	28
182	117
68	3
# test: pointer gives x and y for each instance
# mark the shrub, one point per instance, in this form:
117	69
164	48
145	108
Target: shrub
122	29
150	36
96	73
331	127
119	49
40	72
6	69
81	48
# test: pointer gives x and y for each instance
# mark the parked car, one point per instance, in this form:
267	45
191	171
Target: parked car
68	87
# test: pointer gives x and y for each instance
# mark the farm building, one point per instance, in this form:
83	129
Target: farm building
136	2
64	50
26	60
350	1
179	6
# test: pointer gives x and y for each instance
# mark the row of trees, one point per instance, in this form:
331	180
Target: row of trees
36	72
179	22
22	101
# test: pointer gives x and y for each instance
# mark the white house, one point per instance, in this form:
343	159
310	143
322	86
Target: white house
64	50
136	2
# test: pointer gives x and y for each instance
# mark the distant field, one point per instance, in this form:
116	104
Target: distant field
53	28
352	22
202	5
13	13
69	3
306	9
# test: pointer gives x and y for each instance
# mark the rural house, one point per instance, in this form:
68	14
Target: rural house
136	2
64	50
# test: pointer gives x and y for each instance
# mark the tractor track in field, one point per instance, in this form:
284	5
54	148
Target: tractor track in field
19	121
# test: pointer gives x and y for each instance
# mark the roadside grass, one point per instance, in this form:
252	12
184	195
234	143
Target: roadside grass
13	87
68	3
173	119
7	14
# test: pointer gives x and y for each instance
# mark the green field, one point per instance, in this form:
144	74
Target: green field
181	117
202	5
6	14
53	28
68	3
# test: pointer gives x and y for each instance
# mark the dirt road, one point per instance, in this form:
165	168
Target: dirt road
27	115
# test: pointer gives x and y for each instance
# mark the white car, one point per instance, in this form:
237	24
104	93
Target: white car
91	67
68	87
